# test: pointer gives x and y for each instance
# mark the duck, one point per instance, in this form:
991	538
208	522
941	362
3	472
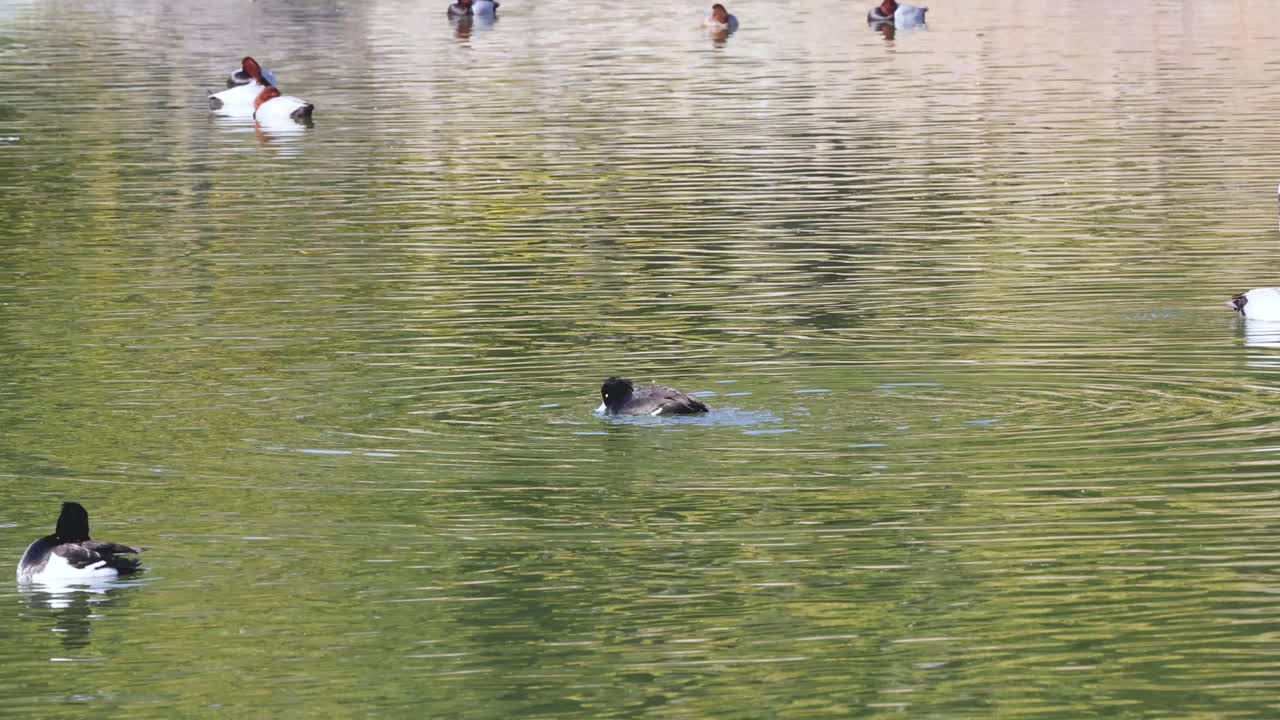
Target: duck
69	556
460	9
621	397
720	19
1257	304
243	87
882	12
272	108
240	76
900	14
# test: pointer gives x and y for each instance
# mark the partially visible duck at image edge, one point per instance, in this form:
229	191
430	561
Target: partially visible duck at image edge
720	19
621	397
1257	304
69	556
240	77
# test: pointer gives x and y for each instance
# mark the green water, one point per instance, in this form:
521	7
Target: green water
985	441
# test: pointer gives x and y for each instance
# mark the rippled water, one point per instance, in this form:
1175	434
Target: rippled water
985	442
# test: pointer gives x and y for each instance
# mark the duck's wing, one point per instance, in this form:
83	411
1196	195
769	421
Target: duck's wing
110	548
670	401
99	553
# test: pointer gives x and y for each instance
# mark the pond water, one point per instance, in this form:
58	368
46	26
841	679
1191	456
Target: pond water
985	440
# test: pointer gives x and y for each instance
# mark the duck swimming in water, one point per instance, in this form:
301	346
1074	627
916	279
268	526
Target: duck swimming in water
900	14
882	12
272	108
68	556
1257	304
720	19
623	398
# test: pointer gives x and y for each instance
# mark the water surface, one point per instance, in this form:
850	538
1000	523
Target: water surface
986	442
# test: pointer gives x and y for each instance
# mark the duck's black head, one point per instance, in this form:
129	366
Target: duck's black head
1237	302
615	392
73	523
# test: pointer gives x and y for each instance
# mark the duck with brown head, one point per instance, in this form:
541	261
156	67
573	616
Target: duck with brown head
719	19
900	14
273	109
244	86
882	12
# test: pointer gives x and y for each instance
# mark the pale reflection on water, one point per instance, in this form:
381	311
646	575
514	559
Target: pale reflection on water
992	446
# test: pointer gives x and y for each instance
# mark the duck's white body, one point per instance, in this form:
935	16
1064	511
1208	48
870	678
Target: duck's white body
908	15
236	101
1257	304
56	570
283	110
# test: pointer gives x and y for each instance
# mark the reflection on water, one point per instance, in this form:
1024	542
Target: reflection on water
69	611
993	446
1261	333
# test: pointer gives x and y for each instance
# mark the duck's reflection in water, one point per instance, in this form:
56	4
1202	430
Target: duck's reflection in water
73	608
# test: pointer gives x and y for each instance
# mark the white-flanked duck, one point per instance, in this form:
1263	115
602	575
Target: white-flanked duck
237	100
622	398
719	19
273	109
1257	304
485	9
68	555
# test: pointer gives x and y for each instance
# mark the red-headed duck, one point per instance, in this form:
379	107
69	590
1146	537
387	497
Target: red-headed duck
243	87
720	19
272	108
882	12
900	14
